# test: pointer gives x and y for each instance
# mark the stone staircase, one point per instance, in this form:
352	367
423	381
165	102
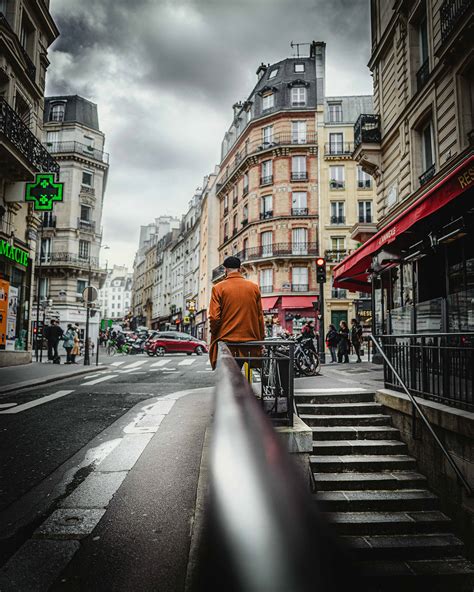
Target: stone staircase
370	489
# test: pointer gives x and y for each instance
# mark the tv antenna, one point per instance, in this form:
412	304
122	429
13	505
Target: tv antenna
298	45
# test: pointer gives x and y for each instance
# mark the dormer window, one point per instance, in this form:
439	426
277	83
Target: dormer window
298	96
57	112
273	73
299	67
268	101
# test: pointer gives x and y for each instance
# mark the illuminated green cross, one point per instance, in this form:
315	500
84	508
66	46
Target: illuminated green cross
44	191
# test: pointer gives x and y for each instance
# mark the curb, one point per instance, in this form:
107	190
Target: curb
52	378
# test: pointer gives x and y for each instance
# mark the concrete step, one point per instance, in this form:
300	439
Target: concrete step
346	420
369	523
355	433
362	463
378	501
411	546
331	447
453	574
369	481
340	408
356	397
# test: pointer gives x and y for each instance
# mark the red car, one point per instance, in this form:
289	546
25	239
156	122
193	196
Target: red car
175	342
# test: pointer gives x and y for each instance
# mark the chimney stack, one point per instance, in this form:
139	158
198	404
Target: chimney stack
318	52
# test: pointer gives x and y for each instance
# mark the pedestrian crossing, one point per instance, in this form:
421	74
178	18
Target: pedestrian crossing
165	365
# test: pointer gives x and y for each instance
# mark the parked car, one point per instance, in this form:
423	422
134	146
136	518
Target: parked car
175	342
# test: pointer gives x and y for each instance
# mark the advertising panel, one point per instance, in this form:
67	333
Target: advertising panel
4	289
11	317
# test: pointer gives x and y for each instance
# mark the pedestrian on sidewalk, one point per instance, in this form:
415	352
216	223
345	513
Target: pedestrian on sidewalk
68	342
344	344
356	337
76	347
332	339
235	312
53	334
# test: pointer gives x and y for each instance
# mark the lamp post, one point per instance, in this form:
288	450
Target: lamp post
38	291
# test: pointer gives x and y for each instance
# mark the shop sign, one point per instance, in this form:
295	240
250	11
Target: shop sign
13	253
4	289
44	192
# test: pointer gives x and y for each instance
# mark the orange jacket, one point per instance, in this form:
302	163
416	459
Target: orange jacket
235	312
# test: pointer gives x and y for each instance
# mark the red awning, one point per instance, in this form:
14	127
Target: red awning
269	303
298	301
352	274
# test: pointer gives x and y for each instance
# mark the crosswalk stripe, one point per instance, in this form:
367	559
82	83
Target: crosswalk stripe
7	405
97	380
187	362
160	363
118	363
135	364
35	403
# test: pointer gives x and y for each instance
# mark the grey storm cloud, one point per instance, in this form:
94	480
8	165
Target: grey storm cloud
165	74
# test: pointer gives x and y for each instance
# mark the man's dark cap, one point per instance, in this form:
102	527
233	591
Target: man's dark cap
232	263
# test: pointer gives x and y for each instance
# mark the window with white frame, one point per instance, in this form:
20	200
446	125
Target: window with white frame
266	202
45	250
335	112
298	132
299	67
88	178
298	96
338	243
364	180
336	143
52	139
299	203
57	112
84	250
268	101
273	73
267	171
266	240
267	135
336	177
299	241
266	279
365	212
337	212
85	213
298	168
299	278
226	202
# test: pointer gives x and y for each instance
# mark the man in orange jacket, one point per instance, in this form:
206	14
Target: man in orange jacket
235	312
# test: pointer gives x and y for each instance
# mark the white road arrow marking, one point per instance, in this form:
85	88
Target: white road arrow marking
36	402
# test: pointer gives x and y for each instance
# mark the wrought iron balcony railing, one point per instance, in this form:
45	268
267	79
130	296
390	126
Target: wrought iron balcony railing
338	148
299	287
267	214
70	258
299	211
451	12
333	184
427	175
266	180
86	225
338	219
335	255
266	289
16	132
77	148
30	67
423	74
364	184
299	176
367	130
245	221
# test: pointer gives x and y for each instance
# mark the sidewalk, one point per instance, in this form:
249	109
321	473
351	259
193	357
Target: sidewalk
364	375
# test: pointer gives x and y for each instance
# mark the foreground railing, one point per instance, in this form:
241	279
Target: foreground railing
262	531
414	362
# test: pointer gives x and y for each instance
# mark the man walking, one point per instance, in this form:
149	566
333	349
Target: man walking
53	334
235	312
356	337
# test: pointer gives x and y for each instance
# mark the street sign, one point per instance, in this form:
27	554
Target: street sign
90	294
44	192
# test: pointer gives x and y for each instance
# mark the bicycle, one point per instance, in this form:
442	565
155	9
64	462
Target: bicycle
114	348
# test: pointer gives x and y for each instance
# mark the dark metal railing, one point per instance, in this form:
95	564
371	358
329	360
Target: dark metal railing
266	180
299	211
427	175
30	66
64	257
423	74
299	287
299	176
367	130
333	184
15	130
77	148
338	219
261	529
338	148
267	214
451	12
266	289
86	225
367	219
336	255
434	366
364	184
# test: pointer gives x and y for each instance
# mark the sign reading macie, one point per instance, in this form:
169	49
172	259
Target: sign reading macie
44	192
13	253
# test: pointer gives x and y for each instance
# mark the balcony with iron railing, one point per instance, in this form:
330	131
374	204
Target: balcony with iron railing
30	67
265	215
299	176
299	287
452	13
259	147
24	141
367	130
71	259
299	212
364	184
266	180
338	149
336	185
266	289
335	255
422	75
73	147
427	175
88	225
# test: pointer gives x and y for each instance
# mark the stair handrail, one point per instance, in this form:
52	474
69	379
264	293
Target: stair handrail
425	420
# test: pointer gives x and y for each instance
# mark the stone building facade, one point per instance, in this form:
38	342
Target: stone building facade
115	295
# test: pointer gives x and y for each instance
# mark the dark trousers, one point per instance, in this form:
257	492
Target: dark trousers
53	350
343	355
68	354
333	350
357	349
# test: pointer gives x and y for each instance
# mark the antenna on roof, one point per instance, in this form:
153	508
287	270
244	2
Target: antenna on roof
297	45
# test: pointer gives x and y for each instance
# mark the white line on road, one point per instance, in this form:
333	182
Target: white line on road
117	363
89	376
160	363
204	371
331	390
135	364
97	380
36	402
187	362
7	405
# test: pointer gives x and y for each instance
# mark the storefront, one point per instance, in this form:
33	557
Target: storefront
15	286
288	313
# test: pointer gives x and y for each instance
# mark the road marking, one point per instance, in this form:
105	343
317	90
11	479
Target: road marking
7	405
187	362
97	380
204	371
118	363
96	374
135	364
36	402
331	390
160	363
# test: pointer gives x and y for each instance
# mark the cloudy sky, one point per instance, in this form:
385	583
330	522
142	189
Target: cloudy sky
165	75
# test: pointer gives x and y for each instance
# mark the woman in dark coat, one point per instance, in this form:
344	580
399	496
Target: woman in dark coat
344	344
332	339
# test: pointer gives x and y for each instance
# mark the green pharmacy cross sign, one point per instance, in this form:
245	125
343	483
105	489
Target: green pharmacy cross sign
44	192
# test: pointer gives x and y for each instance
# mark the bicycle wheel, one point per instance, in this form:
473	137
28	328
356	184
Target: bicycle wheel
111	350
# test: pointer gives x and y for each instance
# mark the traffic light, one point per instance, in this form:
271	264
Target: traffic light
320	270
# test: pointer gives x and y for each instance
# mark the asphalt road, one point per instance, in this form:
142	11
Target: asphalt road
47	430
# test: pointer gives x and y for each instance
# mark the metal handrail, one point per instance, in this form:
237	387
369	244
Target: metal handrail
425	420
262	529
